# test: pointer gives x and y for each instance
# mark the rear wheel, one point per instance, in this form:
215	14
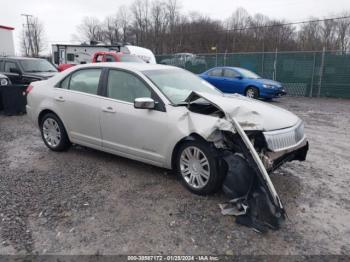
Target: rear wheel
197	167
252	92
53	133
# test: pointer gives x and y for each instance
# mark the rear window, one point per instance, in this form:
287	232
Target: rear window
131	58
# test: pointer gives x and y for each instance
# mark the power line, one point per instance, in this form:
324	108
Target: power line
266	26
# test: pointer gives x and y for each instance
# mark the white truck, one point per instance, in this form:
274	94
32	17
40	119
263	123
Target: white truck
82	54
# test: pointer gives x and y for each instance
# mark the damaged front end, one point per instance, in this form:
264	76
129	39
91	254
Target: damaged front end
248	157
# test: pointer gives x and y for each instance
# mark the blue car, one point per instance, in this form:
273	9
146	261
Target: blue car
242	81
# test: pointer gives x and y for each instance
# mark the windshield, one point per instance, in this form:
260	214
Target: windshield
37	65
247	74
131	58
177	84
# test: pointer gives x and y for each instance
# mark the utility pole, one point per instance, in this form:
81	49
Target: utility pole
29	33
321	72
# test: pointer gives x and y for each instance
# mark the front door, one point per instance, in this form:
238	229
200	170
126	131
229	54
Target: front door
131	132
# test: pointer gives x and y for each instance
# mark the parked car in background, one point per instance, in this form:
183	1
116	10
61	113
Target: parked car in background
161	115
184	60
4	80
82	54
24	70
111	56
63	67
244	82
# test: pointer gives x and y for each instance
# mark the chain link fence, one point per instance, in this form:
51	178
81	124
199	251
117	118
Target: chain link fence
313	74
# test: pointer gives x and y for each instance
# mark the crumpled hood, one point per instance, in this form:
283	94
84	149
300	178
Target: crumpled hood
250	113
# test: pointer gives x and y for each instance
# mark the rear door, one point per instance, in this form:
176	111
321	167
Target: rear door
78	104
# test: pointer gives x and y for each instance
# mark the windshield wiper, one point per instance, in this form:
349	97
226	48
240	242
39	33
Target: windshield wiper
33	71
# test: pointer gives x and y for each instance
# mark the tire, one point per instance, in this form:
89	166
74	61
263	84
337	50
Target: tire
53	133
191	170
252	92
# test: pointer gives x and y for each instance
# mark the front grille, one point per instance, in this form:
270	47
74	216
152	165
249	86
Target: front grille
285	138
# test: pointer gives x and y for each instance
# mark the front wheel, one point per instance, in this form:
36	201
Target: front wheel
252	92
197	167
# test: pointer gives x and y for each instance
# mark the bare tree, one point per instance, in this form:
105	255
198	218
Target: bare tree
161	26
173	16
328	34
123	17
90	30
140	11
111	30
343	31
32	38
309	36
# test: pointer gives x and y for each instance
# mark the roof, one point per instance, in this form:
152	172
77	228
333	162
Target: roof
19	58
130	66
85	45
7	27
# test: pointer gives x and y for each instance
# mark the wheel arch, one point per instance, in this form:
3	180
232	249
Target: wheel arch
47	111
190	137
251	86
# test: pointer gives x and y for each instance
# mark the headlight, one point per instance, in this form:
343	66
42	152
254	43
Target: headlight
4	82
268	86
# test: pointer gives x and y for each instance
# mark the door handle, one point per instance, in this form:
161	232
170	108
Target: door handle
108	109
59	99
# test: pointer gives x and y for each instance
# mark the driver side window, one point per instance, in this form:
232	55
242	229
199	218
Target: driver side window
125	86
9	66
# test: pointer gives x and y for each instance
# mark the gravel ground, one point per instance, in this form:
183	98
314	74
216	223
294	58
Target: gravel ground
87	202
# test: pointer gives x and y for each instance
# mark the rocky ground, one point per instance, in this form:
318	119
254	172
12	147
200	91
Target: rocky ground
87	202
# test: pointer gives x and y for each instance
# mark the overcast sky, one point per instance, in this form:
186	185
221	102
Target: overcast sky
61	17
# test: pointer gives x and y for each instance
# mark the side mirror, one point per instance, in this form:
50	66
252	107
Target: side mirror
144	103
239	77
15	71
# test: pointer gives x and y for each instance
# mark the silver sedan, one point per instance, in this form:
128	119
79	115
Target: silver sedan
161	115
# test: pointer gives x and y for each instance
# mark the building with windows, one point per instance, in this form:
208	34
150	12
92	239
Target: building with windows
7	46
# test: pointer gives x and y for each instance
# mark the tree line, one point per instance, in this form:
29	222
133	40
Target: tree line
32	38
163	27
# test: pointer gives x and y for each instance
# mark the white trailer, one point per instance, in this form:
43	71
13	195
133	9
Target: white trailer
82	54
7	47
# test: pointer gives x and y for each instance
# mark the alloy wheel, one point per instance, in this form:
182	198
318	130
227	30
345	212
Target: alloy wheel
51	132
194	167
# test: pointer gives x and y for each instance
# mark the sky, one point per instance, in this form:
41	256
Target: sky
61	18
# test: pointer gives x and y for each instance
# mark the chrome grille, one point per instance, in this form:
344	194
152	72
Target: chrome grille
285	138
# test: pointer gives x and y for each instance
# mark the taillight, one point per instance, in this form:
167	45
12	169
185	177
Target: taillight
29	88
